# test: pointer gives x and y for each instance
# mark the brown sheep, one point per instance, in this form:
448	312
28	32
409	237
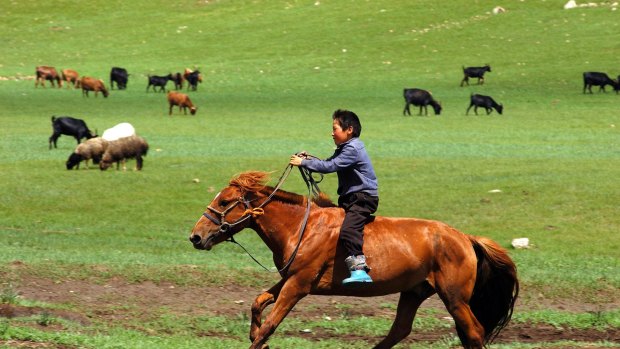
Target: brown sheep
71	77
93	148
182	100
122	149
92	84
43	73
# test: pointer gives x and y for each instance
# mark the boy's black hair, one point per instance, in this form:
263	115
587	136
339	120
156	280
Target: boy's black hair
346	119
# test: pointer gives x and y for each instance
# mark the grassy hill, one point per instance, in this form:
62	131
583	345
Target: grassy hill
273	74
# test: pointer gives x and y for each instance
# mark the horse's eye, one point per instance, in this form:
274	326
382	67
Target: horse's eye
223	203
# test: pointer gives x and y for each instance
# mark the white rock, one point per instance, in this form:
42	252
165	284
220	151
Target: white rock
521	243
570	4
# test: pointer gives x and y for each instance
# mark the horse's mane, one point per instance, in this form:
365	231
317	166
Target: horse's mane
251	181
256	181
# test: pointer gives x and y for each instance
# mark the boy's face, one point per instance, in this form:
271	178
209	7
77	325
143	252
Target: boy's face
339	135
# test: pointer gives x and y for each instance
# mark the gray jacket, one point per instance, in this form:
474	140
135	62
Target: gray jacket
352	164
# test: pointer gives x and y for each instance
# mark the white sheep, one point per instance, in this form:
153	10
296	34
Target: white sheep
124	129
91	149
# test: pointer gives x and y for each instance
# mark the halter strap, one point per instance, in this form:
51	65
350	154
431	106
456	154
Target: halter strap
313	189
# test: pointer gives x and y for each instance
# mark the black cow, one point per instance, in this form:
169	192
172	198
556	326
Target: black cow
66	125
120	76
475	72
485	102
599	79
193	79
160	81
178	81
420	98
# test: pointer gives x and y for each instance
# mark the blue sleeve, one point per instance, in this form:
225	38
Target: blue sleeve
346	158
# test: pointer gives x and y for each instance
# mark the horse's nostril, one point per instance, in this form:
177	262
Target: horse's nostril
194	239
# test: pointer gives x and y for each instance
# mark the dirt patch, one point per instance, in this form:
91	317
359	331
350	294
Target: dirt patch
111	300
33	345
11	311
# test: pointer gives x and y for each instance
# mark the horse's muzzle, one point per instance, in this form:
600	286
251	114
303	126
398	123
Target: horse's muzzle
199	244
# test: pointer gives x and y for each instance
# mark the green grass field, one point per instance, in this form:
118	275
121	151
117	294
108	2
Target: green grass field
273	74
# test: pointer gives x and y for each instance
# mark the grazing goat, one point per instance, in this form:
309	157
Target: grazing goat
71	77
193	78
124	129
420	98
485	102
122	149
43	73
182	100
66	125
475	72
120	77
599	79
91	149
92	84
158	81
178	81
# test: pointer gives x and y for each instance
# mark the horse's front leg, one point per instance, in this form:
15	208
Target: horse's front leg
260	303
293	290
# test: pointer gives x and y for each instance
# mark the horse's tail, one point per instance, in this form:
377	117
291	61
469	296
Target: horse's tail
496	288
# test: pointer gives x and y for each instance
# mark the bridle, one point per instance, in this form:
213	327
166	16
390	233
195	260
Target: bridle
253	212
249	211
224	225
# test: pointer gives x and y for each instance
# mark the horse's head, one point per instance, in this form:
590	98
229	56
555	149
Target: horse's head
230	211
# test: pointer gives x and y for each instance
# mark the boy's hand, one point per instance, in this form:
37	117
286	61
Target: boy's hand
295	160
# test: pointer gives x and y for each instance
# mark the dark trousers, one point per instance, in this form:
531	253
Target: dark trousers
357	207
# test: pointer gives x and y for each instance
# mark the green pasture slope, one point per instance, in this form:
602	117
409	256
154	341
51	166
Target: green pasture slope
273	73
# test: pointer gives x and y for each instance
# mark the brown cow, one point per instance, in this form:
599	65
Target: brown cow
71	77
182	100
43	73
92	84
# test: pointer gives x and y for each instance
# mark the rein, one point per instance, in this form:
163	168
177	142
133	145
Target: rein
313	189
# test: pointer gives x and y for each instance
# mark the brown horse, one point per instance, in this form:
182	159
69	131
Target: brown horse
473	276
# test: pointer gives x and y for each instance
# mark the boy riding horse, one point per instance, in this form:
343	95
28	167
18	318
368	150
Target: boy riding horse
357	189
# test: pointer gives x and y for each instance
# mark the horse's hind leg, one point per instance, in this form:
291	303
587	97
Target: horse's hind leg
260	303
471	330
456	298
408	305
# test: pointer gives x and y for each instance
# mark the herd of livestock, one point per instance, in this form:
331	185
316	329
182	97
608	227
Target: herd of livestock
120	77
121	142
422	98
115	145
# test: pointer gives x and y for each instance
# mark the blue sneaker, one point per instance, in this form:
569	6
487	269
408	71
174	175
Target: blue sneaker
359	270
357	277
